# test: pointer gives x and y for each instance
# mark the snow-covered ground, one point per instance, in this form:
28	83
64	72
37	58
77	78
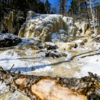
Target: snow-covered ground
3	88
33	63
28	61
8	58
89	64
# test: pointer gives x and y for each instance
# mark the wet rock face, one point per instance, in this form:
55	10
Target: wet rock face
7	40
4	29
19	20
12	22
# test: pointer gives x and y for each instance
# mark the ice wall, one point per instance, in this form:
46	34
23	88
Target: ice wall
42	26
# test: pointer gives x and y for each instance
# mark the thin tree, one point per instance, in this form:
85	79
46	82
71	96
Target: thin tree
93	16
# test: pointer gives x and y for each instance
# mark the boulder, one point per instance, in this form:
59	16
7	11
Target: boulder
53	54
50	46
7	40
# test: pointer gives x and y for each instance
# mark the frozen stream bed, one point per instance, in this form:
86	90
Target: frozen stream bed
29	60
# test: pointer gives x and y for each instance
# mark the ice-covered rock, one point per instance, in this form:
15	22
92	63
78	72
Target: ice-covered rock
7	40
80	42
82	26
68	21
78	33
72	30
66	46
50	45
53	54
30	15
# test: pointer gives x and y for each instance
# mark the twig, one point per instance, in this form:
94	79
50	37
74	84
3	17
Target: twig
11	68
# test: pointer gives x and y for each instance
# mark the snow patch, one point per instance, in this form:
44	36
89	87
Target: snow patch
50	43
28	41
3	88
89	64
68	54
8	58
28	52
6	35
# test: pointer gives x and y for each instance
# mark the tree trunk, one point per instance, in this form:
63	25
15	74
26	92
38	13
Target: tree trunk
87	12
93	17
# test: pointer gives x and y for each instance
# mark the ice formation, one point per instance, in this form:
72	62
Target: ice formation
43	26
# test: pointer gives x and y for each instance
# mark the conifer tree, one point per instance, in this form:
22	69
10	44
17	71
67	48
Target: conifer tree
47	6
63	4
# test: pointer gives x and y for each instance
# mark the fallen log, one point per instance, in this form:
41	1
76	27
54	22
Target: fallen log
48	88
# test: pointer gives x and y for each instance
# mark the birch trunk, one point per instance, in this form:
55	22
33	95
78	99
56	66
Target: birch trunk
93	18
